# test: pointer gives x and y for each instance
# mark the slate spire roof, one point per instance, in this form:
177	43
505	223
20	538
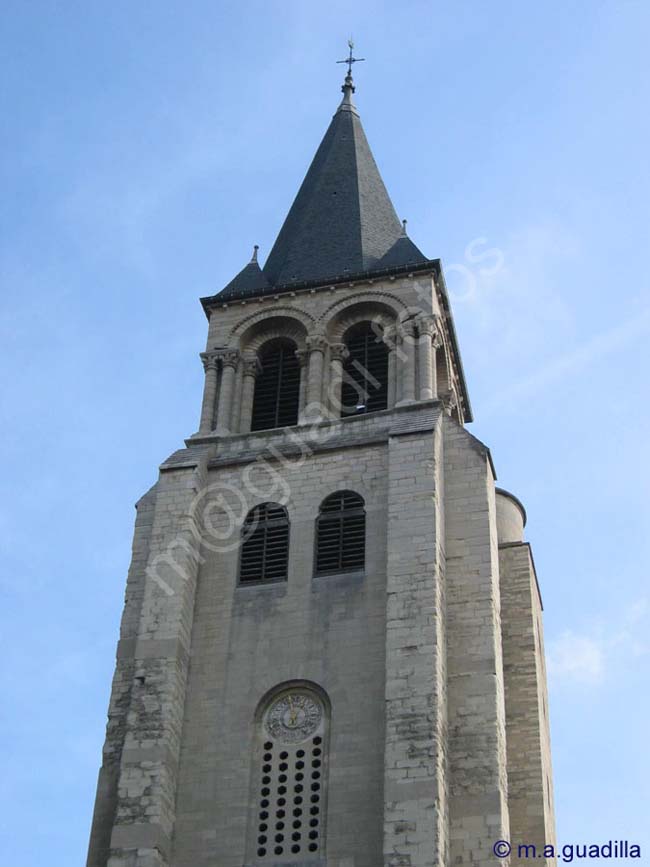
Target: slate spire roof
341	222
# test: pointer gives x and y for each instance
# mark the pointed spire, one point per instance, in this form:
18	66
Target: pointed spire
250	280
342	221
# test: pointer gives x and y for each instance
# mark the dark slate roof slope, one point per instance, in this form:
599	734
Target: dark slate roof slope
249	281
342	220
403	252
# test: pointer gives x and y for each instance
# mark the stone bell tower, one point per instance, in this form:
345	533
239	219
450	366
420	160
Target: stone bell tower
331	651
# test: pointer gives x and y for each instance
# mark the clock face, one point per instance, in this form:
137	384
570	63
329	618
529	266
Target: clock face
294	717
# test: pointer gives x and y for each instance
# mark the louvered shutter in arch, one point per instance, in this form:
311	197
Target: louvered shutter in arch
265	545
277	387
365	372
341	534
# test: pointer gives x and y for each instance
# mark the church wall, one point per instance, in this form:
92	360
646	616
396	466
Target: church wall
415	831
477	743
247	640
529	758
123	679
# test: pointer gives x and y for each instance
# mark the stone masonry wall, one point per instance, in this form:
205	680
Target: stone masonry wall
154	655
477	744
415	830
123	680
327	630
529	759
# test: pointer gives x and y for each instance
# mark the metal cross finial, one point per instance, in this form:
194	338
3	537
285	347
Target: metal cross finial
350	60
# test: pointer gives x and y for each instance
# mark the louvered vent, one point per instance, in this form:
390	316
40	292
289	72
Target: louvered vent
341	534
265	545
365	372
277	387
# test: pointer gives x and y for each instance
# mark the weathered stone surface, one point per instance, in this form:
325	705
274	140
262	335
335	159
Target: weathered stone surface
430	659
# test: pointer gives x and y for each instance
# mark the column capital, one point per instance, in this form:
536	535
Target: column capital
303	356
390	337
251	365
229	357
339	352
210	360
407	329
316	343
449	401
426	326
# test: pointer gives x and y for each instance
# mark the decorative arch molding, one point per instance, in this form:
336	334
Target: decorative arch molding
287	320
341	315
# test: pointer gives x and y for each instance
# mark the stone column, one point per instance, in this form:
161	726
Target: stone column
250	370
406	364
229	360
436	343
390	339
211	366
316	344
303	357
426	328
338	354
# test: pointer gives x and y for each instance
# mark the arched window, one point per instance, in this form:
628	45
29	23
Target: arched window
341	534
365	372
265	545
277	387
289	779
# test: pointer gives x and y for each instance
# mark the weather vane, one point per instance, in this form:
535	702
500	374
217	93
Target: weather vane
350	60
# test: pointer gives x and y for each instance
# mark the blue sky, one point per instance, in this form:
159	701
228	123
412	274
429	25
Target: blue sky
146	148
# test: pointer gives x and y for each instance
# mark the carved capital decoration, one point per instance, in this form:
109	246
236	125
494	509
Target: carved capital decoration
449	401
229	357
390	337
339	352
407	328
302	355
251	367
316	343
426	326
210	360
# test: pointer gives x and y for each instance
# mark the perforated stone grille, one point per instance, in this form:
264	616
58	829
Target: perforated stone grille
290	800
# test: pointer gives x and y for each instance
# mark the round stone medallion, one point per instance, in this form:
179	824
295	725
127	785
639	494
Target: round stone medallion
293	717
